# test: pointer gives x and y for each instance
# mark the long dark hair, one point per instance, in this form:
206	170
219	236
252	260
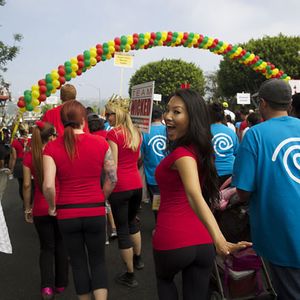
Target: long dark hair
41	134
199	135
72	115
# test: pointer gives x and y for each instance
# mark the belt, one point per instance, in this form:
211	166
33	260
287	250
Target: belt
80	205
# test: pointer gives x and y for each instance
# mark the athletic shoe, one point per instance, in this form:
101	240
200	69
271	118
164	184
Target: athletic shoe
47	293
59	290
127	279
113	235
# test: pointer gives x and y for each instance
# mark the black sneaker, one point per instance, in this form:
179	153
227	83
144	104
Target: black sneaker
127	279
138	262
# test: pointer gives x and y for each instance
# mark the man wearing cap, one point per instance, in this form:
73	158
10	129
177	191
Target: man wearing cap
267	174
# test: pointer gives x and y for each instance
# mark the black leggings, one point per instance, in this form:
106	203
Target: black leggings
125	206
195	263
53	254
85	241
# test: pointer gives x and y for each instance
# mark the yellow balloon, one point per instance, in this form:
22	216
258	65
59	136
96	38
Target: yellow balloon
275	71
74	60
196	36
56	83
129	39
146	41
111	43
108	56
93	49
35	88
180	35
287	78
73	74
178	41
93	53
210	42
22	109
93	61
53	91
35	102
54	74
111	49
127	48
74	67
263	65
35	94
147	35
164	36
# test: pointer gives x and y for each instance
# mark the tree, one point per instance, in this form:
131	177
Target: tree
168	75
282	51
212	89
7	53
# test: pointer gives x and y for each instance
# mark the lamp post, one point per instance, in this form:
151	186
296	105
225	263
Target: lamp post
97	88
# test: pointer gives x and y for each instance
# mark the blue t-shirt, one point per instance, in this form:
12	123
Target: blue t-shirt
153	150
225	143
268	166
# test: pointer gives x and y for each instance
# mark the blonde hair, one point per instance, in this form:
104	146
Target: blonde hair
124	123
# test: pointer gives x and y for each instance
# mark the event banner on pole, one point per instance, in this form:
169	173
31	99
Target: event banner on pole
141	105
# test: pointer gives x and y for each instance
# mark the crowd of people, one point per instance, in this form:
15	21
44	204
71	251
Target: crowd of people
76	179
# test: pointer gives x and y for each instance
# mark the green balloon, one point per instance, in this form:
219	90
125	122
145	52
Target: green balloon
87	54
105	45
68	77
103	57
27	92
84	69
87	62
48	78
158	36
191	35
175	34
68	69
27	98
123	40
122	47
155	43
48	93
105	51
67	64
49	87
141	41
29	107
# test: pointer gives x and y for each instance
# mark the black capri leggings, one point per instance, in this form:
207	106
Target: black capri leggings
125	206
195	263
88	267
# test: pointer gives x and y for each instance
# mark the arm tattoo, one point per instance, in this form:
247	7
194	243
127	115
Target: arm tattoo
110	167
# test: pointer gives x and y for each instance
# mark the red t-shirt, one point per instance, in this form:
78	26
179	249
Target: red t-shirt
177	224
102	133
40	205
79	180
129	177
20	145
53	116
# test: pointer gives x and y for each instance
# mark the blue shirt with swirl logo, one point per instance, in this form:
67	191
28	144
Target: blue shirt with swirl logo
153	150
268	166
225	143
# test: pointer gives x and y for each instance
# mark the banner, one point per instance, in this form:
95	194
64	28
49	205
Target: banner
141	105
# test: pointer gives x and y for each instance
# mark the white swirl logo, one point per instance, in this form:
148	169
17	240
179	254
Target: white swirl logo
222	142
288	151
158	144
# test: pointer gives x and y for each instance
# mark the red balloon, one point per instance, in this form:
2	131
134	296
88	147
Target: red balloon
99	46
61	71
151	42
169	38
42	82
185	35
272	66
117	48
43	89
80	57
98	58
135	40
135	35
42	97
99	51
201	37
21	98
79	72
80	64
62	80
153	35
21	103
132	47
117	41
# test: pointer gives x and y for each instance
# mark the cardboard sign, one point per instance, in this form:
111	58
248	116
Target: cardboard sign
243	98
141	105
124	60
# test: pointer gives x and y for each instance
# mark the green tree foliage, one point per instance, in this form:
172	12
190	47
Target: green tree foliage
282	51
212	90
7	53
168	75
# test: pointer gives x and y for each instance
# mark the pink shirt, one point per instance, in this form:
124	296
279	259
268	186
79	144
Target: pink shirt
177	224
129	177
40	205
20	145
79	180
102	133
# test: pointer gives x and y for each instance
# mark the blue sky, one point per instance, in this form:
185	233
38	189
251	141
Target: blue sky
54	31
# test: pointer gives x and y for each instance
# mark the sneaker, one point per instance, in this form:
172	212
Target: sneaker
47	293
113	235
59	290
127	279
107	242
138	262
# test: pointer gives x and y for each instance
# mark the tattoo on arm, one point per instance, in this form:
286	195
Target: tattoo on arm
110	167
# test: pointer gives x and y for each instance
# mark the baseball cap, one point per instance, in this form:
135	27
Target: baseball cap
276	91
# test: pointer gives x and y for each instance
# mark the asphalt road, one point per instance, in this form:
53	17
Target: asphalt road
19	272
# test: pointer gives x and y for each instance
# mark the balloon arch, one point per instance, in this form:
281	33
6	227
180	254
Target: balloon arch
102	52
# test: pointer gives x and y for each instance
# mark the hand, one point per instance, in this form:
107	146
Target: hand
28	216
52	211
225	248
